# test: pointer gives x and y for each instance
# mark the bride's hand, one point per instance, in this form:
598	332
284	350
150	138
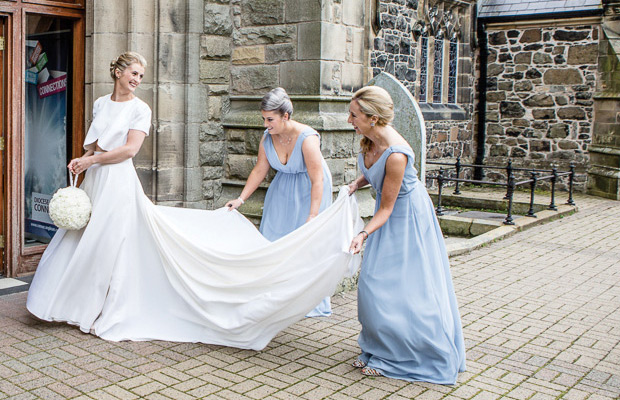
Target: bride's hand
79	165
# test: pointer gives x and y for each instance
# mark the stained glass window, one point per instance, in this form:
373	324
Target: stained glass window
423	67
437	69
452	64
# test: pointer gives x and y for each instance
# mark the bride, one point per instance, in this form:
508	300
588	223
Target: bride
139	271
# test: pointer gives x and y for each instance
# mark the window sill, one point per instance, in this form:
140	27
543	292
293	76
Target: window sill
436	112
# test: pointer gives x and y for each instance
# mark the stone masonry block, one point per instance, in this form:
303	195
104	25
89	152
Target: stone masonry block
171	101
106	17
262	12
193	184
357	45
249	55
253	79
170	184
170	145
192	145
320	40
302	10
562	77
309	41
239	166
580	55
211	131
171	56
214	71
196	99
212	154
280	52
217	19
264	35
215	46
353	12
109	46
352	77
301	77
172	16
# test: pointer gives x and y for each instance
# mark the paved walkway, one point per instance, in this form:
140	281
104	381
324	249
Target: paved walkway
541	315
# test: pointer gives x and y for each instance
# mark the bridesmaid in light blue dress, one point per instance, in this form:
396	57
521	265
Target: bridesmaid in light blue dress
302	186
411	327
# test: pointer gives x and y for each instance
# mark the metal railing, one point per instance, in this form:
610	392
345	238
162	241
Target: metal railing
511	184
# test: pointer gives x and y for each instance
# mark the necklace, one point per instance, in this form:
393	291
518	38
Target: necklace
285	142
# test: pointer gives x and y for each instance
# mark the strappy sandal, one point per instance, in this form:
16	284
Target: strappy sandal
367	371
358	363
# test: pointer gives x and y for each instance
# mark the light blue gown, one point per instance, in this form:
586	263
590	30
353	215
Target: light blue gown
287	203
411	327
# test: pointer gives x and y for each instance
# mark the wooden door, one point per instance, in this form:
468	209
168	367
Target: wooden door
3	132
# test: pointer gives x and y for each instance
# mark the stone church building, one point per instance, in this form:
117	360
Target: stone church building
534	81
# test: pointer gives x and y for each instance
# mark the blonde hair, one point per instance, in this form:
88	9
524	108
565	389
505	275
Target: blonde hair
125	60
374	101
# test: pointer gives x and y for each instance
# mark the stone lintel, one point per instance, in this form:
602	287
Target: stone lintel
323	113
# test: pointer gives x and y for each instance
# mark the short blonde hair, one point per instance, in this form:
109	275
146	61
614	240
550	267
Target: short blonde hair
125	60
374	101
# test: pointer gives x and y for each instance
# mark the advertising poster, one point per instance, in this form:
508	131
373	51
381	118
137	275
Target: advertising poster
46	129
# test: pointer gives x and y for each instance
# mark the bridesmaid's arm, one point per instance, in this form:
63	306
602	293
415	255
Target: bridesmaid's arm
394	173
258	174
135	138
311	149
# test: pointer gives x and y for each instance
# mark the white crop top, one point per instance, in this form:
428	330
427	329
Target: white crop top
112	121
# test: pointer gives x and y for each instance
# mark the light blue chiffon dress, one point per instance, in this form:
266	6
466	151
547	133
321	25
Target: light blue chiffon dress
411	327
287	202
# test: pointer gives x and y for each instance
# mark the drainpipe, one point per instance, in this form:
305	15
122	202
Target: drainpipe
481	133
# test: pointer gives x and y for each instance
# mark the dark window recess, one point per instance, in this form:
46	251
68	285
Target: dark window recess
452	68
437	70
423	68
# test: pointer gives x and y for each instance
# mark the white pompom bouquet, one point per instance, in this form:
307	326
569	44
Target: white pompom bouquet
70	207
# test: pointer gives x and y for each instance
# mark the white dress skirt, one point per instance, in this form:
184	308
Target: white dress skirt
139	271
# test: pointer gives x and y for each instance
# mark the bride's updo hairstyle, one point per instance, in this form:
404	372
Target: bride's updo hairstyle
125	60
277	100
374	101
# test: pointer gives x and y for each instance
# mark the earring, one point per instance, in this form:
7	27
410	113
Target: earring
372	124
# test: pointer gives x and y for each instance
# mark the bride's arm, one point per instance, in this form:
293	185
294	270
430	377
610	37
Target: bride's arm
135	138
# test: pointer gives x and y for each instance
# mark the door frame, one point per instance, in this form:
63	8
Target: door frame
19	259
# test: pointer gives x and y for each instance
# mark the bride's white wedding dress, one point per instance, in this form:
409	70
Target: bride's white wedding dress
140	271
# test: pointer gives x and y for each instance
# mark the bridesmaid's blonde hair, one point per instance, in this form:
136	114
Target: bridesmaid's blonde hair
125	60
374	101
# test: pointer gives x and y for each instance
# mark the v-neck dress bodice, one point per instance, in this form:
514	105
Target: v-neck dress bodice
411	327
287	202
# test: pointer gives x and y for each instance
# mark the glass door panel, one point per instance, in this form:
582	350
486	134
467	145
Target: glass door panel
47	144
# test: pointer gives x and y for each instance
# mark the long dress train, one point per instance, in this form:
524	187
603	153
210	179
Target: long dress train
140	271
411	327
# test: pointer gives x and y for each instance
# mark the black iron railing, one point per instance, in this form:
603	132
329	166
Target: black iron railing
536	175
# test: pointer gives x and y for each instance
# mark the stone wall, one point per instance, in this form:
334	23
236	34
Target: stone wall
315	50
604	172
396	50
540	87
